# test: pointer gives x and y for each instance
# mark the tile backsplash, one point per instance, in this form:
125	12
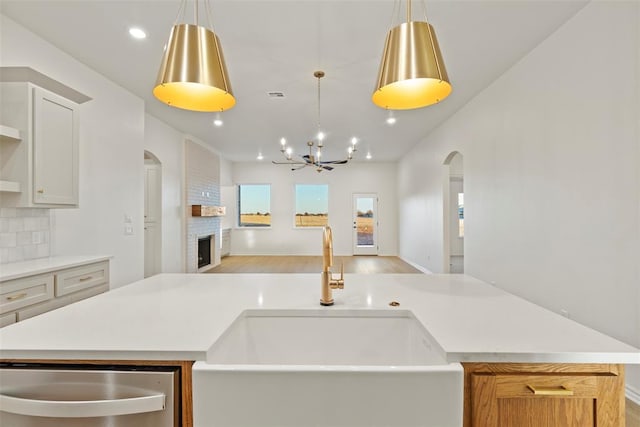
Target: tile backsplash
24	234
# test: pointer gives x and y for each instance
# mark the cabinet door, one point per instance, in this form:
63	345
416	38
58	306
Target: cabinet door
545	401
55	145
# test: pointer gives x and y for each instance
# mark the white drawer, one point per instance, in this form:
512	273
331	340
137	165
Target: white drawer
42	308
7	319
60	302
79	278
18	293
87	293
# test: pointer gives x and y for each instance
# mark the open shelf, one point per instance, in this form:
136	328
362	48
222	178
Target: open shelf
202	210
9	134
9	186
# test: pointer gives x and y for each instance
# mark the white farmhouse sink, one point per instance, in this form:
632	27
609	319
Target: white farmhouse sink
327	368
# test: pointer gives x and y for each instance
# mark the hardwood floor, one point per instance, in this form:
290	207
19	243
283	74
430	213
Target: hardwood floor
312	264
632	414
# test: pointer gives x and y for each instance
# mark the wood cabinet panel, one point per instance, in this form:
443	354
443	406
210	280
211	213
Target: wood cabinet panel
546	412
570	395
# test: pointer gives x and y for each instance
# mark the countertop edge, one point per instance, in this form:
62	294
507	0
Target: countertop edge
577	357
46	265
99	355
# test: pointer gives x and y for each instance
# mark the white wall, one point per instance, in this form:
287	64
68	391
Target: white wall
283	239
166	144
551	174
111	152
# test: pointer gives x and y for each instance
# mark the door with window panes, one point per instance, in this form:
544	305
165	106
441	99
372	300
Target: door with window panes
365	224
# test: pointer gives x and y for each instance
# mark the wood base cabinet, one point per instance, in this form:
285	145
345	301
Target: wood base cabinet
543	395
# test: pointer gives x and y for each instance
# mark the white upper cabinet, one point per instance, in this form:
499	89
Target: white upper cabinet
40	168
55	149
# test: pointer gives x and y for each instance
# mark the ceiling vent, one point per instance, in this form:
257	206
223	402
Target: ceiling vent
275	94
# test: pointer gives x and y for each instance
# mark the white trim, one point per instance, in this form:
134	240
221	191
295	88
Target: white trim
419	267
632	394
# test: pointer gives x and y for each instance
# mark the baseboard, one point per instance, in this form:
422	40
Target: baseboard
414	265
632	394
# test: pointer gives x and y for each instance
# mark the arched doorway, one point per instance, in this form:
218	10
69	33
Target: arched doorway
152	215
453	214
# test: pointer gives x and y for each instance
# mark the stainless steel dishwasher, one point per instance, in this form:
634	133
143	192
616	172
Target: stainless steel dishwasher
88	396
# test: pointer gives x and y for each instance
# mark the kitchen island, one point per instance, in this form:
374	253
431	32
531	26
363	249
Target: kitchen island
178	317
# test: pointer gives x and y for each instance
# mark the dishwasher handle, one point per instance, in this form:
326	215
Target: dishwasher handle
81	408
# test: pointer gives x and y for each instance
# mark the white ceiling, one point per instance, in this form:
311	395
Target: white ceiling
277	45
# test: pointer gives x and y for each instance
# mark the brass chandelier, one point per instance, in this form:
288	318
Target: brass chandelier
193	74
314	158
412	73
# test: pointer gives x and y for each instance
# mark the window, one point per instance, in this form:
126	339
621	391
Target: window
254	205
312	205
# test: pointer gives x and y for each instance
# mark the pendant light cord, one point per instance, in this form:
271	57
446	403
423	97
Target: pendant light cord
424	9
318	105
209	18
182	10
395	14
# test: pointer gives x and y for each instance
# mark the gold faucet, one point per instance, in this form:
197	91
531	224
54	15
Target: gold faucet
328	282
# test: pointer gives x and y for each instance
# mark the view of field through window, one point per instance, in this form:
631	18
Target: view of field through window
312	205
254	205
364	221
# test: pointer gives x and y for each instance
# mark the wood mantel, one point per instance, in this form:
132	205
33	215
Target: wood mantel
203	210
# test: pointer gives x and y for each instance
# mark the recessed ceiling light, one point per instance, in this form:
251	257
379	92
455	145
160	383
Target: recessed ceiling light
137	33
368	156
391	120
260	156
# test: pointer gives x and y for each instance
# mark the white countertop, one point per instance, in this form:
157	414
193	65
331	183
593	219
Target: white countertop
179	317
16	270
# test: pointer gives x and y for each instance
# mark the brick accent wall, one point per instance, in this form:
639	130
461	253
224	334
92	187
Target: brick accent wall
202	181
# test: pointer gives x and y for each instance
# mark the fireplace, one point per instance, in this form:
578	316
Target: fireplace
206	252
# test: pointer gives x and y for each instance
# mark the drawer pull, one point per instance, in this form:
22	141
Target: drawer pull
551	391
16	297
84	279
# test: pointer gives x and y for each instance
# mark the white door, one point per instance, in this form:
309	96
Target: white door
152	218
365	224
152	193
151	243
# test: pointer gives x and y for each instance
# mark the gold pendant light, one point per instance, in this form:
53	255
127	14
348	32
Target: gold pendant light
193	74
412	72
